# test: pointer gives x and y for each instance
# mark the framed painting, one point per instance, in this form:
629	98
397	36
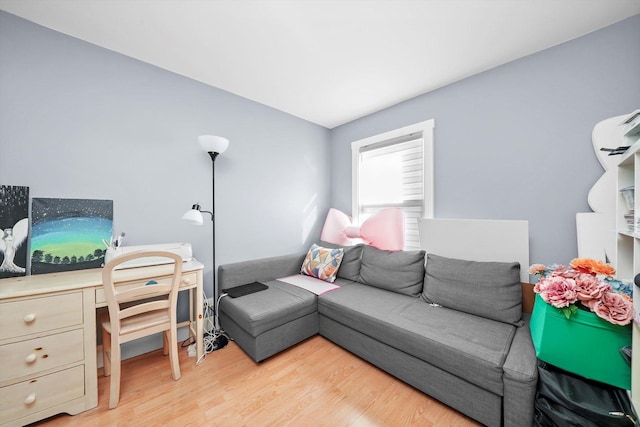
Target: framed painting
14	230
69	234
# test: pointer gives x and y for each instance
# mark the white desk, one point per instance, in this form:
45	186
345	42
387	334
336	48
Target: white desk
48	349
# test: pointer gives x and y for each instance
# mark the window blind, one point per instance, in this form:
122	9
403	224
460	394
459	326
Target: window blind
392	175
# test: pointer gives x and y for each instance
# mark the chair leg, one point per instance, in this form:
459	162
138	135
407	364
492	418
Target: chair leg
114	392
165	343
106	352
173	354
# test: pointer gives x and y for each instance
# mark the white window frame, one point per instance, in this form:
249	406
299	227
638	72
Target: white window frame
425	129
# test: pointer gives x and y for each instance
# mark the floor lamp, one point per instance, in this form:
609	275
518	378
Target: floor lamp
213	145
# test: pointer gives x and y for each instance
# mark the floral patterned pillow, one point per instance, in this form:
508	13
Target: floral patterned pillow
322	263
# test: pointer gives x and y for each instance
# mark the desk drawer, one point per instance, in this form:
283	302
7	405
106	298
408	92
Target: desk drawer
24	317
40	354
188	280
25	398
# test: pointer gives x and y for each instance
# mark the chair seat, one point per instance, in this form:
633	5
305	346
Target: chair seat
139	322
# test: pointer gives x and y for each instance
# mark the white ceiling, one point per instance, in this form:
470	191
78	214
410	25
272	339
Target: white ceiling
329	61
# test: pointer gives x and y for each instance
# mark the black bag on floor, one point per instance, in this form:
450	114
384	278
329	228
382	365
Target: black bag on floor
564	399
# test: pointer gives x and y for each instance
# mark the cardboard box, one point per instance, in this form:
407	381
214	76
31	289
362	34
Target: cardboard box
585	344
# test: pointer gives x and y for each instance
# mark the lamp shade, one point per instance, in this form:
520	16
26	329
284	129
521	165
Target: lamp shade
213	144
194	216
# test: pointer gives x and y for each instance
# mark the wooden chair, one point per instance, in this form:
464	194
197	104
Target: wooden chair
138	311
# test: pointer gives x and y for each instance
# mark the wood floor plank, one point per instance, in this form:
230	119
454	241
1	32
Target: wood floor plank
315	383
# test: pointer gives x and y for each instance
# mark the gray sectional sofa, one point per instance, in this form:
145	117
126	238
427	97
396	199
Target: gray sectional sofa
453	329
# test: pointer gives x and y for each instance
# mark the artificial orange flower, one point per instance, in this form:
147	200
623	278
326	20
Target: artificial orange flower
592	266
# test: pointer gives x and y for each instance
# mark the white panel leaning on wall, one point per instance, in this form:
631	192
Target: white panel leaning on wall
478	240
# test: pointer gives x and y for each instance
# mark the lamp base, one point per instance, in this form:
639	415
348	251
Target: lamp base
219	342
215	341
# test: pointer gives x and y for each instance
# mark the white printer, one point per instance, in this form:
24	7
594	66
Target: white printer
182	249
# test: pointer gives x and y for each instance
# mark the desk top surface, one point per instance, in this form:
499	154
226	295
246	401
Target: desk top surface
15	287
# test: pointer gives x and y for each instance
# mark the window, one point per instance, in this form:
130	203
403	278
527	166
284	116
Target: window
395	169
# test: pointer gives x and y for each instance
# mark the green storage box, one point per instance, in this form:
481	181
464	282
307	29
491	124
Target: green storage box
585	344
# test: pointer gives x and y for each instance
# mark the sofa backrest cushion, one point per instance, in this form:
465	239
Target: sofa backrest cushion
350	267
401	272
487	289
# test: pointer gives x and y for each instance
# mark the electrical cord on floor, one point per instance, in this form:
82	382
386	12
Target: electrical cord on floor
215	315
215	337
186	343
207	313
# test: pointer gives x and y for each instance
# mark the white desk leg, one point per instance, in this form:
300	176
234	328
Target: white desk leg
199	318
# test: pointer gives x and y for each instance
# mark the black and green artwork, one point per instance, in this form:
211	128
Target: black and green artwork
14	229
69	234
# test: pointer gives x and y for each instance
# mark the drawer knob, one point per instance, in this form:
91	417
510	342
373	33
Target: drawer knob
29	318
186	281
30	358
30	399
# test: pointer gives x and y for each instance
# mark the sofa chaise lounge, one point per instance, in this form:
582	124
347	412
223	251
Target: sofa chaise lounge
453	329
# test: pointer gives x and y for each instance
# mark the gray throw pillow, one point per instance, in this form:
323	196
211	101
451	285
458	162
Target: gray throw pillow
401	272
350	266
487	289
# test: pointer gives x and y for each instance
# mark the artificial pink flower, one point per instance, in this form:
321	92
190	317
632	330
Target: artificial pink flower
537	269
584	280
613	308
564	271
556	290
589	287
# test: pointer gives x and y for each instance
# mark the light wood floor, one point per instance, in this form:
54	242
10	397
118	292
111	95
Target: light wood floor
315	383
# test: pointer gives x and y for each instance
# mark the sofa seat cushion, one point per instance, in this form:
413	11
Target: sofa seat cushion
468	346
344	282
262	311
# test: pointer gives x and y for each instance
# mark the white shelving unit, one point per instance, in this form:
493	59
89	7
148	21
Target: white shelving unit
628	238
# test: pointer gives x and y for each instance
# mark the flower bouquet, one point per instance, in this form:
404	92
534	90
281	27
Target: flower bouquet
588	284
581	319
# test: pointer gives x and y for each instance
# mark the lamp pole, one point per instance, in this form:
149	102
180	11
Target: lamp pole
214	145
213	156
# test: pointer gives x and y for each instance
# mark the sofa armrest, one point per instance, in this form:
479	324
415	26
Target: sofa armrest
520	378
264	269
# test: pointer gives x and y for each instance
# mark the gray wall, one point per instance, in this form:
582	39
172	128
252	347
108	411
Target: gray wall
79	121
514	142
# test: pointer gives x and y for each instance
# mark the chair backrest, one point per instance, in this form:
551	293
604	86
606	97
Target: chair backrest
131	301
